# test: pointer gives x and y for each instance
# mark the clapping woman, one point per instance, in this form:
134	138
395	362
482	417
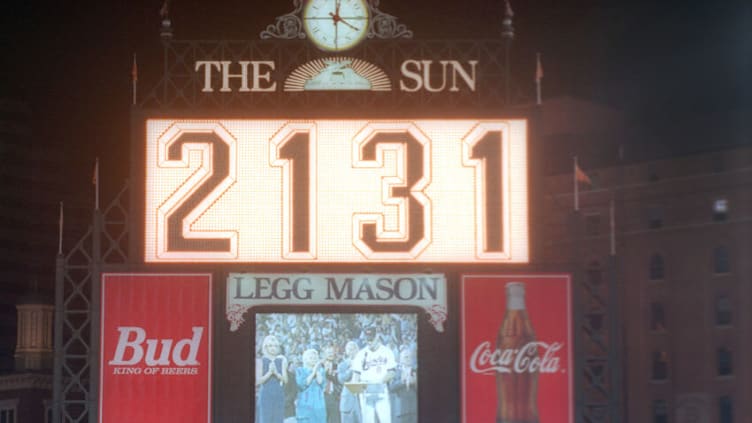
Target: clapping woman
271	376
310	407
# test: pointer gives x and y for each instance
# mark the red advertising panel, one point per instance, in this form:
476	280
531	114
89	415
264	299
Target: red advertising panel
517	349
155	363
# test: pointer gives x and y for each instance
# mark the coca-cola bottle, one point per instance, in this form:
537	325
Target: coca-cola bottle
517	388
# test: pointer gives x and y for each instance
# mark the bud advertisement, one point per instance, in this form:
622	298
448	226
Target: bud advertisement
517	349
155	363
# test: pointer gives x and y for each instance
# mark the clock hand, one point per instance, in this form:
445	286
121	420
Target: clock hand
349	24
337	19
336	36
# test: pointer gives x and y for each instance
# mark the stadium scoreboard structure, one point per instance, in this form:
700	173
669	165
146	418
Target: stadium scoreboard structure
296	213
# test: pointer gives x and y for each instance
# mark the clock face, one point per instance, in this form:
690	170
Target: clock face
336	25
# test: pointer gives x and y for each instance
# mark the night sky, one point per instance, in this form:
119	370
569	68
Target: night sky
674	67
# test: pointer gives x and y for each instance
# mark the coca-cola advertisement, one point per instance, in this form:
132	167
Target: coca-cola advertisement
516	349
155	362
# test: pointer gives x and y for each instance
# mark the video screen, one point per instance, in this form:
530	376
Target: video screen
338	367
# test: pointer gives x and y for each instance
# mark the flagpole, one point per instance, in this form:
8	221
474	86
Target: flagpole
576	188
96	184
60	231
614	330
134	77
538	78
612	224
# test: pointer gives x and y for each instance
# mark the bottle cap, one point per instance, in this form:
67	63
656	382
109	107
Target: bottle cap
515	295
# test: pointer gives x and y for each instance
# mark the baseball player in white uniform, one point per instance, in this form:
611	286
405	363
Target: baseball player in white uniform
375	365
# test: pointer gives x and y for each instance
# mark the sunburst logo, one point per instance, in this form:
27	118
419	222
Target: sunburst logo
338	73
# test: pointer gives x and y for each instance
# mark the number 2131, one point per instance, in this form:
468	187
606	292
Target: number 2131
336	191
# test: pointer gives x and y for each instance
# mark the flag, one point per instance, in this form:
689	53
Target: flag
134	70
165	10
95	175
538	77
581	176
508	9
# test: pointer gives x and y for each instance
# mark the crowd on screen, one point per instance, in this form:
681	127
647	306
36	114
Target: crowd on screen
298	355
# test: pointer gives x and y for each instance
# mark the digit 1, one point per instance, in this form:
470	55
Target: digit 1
488	150
292	151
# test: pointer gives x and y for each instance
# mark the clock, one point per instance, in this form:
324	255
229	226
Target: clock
336	25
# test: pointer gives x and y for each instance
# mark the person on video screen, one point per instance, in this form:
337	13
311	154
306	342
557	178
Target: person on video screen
403	390
311	380
349	407
333	387
271	377
375	366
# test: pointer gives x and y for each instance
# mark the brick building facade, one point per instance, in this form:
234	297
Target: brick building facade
682	235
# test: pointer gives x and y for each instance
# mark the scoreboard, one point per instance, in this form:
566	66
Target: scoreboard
324	190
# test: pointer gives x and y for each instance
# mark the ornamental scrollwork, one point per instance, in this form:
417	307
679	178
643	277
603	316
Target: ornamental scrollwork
287	27
384	25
